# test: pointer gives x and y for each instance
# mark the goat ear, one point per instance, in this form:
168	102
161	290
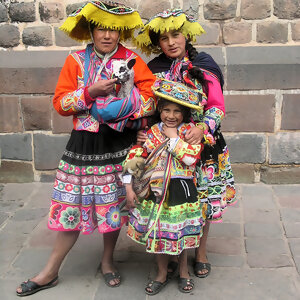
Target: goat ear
131	63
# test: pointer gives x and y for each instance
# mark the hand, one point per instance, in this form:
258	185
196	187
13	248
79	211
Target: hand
194	136
102	87
170	132
141	136
131	197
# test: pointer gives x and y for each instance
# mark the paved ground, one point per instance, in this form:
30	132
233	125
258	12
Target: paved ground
255	253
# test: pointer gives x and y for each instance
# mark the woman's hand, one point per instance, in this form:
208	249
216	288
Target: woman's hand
170	132
194	136
131	197
102	87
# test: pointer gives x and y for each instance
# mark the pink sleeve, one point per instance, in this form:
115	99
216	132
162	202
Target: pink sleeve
215	96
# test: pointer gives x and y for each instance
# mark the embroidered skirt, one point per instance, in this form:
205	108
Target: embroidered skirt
215	181
88	192
177	227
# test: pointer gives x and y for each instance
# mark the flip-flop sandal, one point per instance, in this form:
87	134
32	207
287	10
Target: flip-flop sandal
184	283
29	287
155	286
108	277
172	265
199	267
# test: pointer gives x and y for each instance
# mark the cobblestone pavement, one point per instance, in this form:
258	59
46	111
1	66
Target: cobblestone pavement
255	253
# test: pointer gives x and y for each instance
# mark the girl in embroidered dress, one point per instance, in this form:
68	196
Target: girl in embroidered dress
167	215
88	192
169	34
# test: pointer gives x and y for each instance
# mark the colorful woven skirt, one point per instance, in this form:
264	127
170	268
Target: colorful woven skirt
88	191
177	227
215	181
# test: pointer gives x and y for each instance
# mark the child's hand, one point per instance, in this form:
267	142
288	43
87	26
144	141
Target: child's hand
170	132
141	136
194	136
131	197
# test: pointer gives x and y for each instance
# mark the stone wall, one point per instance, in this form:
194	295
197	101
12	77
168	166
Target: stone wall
256	43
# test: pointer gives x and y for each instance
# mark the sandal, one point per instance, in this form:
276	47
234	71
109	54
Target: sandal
185	285
108	277
172	265
200	266
155	287
30	287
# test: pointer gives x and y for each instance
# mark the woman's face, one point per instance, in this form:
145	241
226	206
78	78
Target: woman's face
172	43
105	40
171	115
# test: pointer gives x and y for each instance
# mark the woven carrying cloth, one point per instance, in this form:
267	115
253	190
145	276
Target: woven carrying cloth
110	15
168	20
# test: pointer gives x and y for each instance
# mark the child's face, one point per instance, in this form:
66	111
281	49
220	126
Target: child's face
171	115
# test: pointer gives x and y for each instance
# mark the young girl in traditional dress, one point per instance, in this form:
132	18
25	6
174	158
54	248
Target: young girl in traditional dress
169	217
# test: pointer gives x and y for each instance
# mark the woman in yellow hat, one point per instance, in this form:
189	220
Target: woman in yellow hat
88	192
170	34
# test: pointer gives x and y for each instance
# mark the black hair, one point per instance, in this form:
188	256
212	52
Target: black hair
186	111
194	72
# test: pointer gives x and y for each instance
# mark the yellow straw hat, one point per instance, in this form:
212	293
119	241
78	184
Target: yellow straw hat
167	20
110	15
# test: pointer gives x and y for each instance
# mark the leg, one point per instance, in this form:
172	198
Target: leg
110	240
185	284
63	244
155	286
201	250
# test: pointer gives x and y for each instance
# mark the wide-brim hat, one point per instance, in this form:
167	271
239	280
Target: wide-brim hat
167	20
110	15
179	93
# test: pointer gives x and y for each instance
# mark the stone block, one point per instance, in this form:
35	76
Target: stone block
243	173
295	246
255	9
265	260
3	216
263	67
280	175
51	12
36	112
37	36
211	35
10	114
70	8
11	171
47	176
225	230
257	196
22	12
220	260
284	148
30	214
290	112
9	36
48	150
287	9
247	148
239	119
219	9
232	214
292	230
261	215
227	246
266	230
191	7
63	40
61	124
36	72
288	195
237	33
149	8
3	13
289	214
297	262
272	32
296	31
16	146
271	246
